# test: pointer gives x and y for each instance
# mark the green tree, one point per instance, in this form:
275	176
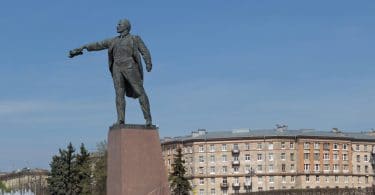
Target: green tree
82	172
100	169
179	183
61	180
3	188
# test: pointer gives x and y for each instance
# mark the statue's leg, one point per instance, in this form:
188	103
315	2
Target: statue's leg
120	105
118	81
145	106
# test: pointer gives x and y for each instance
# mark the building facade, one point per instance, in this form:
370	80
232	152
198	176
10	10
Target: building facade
238	161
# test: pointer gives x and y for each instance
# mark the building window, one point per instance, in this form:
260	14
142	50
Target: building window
335	156
357	147
283	179
365	158
223	147
201	148
317	178
270	146
336	167
307	178
225	180
326	146
212	179
283	168
366	179
292	179
247	157
270	156
225	192
235	147
306	156
247	146
212	170
316	156
358	158
212	148
291	156
212	158
307	167
224	169
270	168
259	168
259	157
326	167
292	167
316	145
365	148
344	156
201	159
306	145
326	179
213	191
201	170
366	169
282	145
335	146
358	168
201	181
317	167
260	179
346	179
291	145
235	158
325	156
236	169
224	158
201	191
259	146
345	146
247	169
271	179
336	178
282	156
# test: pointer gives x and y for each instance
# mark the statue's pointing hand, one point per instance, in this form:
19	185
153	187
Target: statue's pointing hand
75	52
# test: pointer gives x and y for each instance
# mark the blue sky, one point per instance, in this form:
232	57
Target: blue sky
218	65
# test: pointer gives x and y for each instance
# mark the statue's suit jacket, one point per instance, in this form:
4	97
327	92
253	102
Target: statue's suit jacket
139	48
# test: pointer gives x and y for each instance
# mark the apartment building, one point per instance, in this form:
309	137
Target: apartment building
239	161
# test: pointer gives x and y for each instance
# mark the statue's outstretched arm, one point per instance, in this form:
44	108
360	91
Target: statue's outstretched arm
97	46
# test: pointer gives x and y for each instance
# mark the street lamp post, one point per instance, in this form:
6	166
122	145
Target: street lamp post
251	178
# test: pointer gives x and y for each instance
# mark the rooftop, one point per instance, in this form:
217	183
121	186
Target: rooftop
280	131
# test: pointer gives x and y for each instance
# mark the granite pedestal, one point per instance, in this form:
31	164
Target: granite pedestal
135	162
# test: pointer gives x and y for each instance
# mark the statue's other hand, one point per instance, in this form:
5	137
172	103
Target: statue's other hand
148	68
75	52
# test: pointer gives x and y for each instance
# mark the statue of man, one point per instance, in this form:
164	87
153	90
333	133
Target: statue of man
124	54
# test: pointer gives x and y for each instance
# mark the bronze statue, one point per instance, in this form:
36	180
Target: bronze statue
124	53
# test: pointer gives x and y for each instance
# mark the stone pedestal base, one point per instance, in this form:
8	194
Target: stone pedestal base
135	162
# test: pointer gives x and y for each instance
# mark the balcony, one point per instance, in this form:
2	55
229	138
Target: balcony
236	163
224	185
235	151
236	185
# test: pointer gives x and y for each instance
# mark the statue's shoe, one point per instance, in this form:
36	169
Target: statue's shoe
148	122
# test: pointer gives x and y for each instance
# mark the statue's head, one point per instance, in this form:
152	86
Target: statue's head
123	26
